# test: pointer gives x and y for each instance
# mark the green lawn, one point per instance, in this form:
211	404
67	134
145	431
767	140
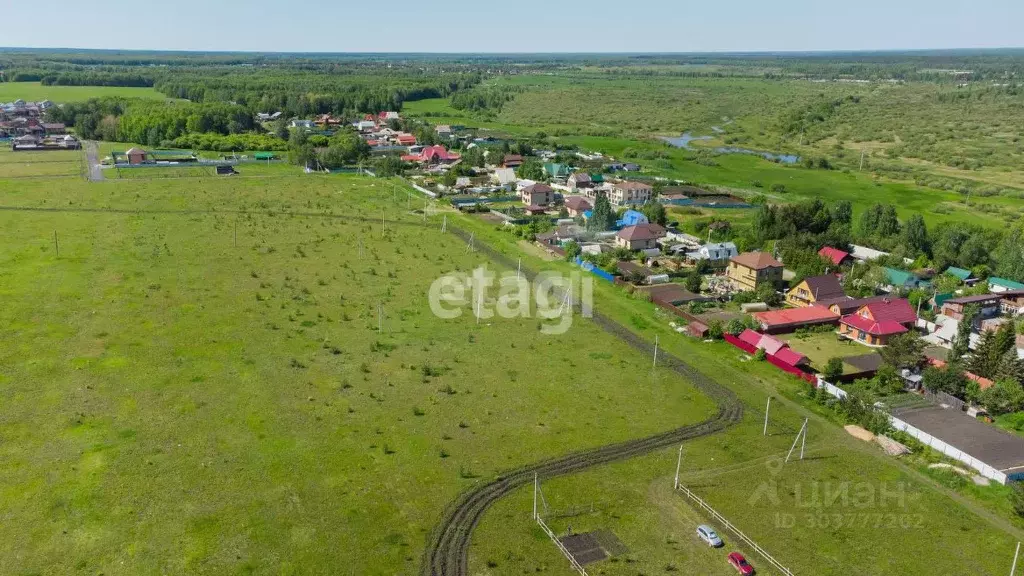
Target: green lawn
207	392
821	347
36	92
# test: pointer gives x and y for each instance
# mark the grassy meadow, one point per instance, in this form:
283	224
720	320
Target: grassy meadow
36	92
206	391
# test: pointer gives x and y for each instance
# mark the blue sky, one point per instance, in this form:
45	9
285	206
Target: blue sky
523	26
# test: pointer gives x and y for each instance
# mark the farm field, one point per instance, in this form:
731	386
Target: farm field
180	401
36	92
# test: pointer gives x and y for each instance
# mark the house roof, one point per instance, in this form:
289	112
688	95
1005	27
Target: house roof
958	272
791	357
974	299
627	267
134	150
539	188
513	158
897	310
577	203
580	177
825	287
674	294
641	232
757	260
632	186
848	305
1005	283
884	328
795	317
900	277
834	254
771	345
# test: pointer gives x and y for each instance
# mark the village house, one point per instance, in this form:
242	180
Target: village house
537	195
503	176
792	319
749	270
576	206
579	180
432	155
835	256
902	280
630	193
962	274
996	284
815	289
989	305
556	171
327	121
302	124
774	347
1013	302
512	161
639	237
875	323
54	129
443	130
405	139
632	218
716	254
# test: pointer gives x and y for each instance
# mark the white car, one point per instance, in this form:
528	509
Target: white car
709	536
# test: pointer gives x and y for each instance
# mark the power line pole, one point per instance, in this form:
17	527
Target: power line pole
679	462
766	409
56	243
862	160
536	486
1013	569
801	434
655	365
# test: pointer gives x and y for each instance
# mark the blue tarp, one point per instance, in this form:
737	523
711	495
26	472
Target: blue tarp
589	267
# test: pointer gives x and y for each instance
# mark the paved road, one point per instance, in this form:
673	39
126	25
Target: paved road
92	158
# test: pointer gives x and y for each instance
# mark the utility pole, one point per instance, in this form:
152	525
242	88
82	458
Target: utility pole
801	434
56	244
444	224
382	223
862	160
235	241
1013	569
536	486
679	462
655	365
519	267
766	409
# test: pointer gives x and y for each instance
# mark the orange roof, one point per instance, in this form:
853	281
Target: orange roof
983	383
757	260
795	316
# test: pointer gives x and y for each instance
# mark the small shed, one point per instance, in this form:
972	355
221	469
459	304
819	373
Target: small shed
136	155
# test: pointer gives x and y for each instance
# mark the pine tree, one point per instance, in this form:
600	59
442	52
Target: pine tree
962	342
602	218
985	359
1011	367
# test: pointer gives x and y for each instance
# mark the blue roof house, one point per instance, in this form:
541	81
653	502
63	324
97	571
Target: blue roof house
632	218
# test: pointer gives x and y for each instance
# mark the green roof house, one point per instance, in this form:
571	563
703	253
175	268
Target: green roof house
963	275
554	170
903	279
1002	284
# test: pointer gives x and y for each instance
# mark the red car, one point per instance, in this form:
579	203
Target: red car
737	561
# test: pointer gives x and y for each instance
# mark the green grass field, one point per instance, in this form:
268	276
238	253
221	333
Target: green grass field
820	348
179	401
36	92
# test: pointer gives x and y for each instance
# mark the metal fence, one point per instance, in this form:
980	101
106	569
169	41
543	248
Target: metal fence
572	561
730	527
943	398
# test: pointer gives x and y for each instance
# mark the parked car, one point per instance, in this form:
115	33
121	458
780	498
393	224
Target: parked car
737	561
708	535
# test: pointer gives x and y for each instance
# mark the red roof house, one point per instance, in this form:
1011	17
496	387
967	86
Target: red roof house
432	155
874	323
404	139
837	256
789	319
773	347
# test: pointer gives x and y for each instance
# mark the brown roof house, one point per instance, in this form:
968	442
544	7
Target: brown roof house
752	269
576	205
537	195
815	289
639	237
